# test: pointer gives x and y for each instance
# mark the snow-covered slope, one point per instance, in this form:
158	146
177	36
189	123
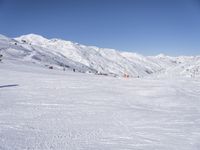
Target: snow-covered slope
42	109
62	54
52	110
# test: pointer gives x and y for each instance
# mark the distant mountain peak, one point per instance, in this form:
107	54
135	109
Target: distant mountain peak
32	39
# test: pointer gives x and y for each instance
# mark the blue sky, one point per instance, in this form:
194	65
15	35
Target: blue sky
148	27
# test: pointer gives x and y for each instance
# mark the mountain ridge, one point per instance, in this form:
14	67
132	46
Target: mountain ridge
73	56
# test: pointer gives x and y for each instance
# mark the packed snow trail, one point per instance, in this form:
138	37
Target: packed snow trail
63	110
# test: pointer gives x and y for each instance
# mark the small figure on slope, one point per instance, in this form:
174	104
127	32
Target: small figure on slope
1	56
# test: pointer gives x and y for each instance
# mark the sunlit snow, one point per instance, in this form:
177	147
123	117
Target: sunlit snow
43	108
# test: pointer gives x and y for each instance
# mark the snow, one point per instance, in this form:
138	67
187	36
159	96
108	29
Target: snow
42	108
61	54
52	109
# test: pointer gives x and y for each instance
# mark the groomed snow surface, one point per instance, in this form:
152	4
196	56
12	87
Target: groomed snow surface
43	109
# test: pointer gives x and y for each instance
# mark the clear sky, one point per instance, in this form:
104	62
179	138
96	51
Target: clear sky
148	27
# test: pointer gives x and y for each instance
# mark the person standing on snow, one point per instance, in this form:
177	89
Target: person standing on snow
1	56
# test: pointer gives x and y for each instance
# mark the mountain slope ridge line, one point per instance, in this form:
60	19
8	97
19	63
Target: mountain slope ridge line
67	55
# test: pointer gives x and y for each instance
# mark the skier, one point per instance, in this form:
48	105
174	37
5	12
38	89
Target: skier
1	56
126	75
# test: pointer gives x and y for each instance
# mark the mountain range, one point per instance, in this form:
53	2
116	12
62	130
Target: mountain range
66	55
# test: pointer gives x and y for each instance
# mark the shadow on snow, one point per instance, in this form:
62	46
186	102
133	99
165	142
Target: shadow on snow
10	85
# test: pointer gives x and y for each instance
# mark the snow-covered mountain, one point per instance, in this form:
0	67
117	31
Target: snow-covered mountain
67	55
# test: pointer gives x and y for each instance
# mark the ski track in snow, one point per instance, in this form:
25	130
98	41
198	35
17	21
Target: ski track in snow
51	109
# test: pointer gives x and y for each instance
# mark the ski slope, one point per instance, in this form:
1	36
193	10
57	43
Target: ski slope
43	109
45	105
